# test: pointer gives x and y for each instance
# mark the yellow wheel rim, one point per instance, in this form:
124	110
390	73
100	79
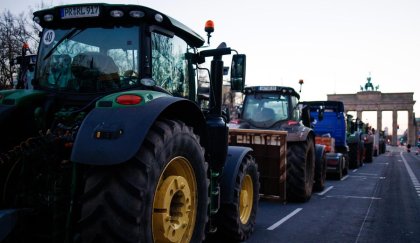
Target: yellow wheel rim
175	203
246	199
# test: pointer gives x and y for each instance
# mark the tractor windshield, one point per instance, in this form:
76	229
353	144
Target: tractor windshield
265	109
88	60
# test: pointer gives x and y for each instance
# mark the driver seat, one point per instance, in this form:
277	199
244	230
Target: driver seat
95	71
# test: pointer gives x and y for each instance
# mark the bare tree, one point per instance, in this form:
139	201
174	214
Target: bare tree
15	30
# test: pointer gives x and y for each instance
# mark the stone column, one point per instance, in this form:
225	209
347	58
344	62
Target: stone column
394	127
410	129
359	114
379	120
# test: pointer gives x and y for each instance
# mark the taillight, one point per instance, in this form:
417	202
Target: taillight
235	121
290	123
128	99
332	161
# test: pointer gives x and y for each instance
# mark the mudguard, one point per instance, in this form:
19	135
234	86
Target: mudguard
299	133
111	136
235	156
10	100
337	166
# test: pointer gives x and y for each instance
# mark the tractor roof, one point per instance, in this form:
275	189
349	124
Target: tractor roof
336	106
271	89
101	14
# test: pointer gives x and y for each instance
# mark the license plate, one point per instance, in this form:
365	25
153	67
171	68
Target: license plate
268	88
79	12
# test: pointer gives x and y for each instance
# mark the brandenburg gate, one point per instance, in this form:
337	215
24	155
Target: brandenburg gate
370	99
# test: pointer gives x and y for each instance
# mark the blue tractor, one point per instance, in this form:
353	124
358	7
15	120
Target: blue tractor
329	125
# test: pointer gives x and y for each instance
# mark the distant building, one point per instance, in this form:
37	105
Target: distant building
370	99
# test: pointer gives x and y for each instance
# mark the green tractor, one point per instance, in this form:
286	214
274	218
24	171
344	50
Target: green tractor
369	141
355	142
277	108
111	145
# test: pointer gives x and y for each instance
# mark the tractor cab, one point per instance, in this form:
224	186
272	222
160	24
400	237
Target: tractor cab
90	49
268	107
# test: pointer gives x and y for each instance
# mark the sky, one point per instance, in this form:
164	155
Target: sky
333	45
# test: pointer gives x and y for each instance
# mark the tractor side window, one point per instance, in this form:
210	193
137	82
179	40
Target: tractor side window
169	64
296	111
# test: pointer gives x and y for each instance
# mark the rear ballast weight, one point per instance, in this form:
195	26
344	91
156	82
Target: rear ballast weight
270	151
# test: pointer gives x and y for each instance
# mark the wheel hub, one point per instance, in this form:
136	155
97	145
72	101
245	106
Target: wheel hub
172	208
246	199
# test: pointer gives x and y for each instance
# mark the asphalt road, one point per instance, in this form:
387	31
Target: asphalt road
378	202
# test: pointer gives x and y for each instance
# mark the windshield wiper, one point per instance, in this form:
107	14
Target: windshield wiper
65	37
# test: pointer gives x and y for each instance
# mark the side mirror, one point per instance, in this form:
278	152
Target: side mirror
237	72
306	116
321	113
226	114
238	110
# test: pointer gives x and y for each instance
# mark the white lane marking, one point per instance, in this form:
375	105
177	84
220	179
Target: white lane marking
413	177
356	197
382	163
354	170
325	190
281	221
372	174
370	177
375	192
345	177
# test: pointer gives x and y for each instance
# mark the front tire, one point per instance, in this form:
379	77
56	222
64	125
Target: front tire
236	220
300	170
320	168
159	195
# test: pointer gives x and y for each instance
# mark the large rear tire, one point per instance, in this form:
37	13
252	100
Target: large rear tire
354	155
361	152
368	153
236	220
160	195
300	170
